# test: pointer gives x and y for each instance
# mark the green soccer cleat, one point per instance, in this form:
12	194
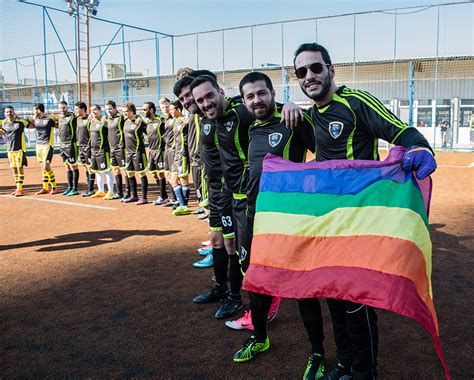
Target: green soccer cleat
315	368
251	348
181	210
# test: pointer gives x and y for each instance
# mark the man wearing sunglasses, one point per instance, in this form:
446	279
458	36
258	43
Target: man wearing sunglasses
348	124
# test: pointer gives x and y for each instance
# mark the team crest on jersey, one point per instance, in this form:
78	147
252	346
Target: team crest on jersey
243	253
229	125
335	129
274	139
206	129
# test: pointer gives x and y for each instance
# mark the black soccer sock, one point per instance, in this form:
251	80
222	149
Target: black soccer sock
133	186
92	182
186	193
259	306
163	193
127	185
220	266
144	181
118	185
75	179
173	195
235	274
88	178
69	179
310	311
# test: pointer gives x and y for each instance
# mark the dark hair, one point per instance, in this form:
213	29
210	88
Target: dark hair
203	79
130	107
63	102
177	104
39	106
313	46
81	105
96	106
111	103
151	105
182	83
253	77
197	73
9	106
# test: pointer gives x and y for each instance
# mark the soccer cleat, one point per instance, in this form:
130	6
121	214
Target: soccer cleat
125	197
215	294
229	307
158	201
66	192
42	191
72	193
205	251
244	323
200	210
130	200
251	348
206	262
87	194
170	203
203	216
18	193
13	192
338	373
98	194
204	203
109	196
116	196
204	243
142	201
54	191
181	210
315	367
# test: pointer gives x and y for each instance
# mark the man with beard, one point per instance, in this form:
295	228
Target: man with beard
269	135
68	147
347	125
155	129
82	132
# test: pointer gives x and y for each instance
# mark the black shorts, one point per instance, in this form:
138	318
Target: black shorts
156	161
220	212
69	154
239	208
117	158
136	161
100	161
169	159
246	243
84	156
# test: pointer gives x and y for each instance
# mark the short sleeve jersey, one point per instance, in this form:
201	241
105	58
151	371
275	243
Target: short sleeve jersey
193	138
98	135
67	129
233	137
209	148
82	131
115	132
133	132
15	133
155	129
44	128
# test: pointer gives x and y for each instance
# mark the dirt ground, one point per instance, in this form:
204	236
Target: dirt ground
106	293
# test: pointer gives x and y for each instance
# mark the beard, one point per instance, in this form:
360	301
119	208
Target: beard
265	112
326	86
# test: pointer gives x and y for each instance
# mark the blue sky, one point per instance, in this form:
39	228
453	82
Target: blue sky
416	33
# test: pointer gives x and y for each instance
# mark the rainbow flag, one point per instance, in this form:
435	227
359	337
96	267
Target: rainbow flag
348	229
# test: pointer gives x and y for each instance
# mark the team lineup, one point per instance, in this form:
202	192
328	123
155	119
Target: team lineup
221	143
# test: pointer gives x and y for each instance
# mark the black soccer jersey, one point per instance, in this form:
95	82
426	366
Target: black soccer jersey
169	134
180	136
98	135
133	132
273	137
67	129
233	137
82	131
209	148
44	128
15	132
155	129
115	132
349	126
193	139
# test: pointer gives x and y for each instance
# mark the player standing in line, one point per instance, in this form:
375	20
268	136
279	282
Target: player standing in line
68	147
14	128
100	153
180	166
82	133
155	128
134	130
44	147
348	124
114	121
269	135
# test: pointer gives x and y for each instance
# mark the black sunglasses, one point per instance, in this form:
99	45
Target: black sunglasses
316	68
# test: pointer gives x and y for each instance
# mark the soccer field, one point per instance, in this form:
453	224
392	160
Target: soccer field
102	289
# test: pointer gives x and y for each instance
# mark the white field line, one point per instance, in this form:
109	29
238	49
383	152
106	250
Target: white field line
471	165
62	202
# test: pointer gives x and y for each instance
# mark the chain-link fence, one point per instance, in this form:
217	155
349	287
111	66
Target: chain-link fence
411	59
